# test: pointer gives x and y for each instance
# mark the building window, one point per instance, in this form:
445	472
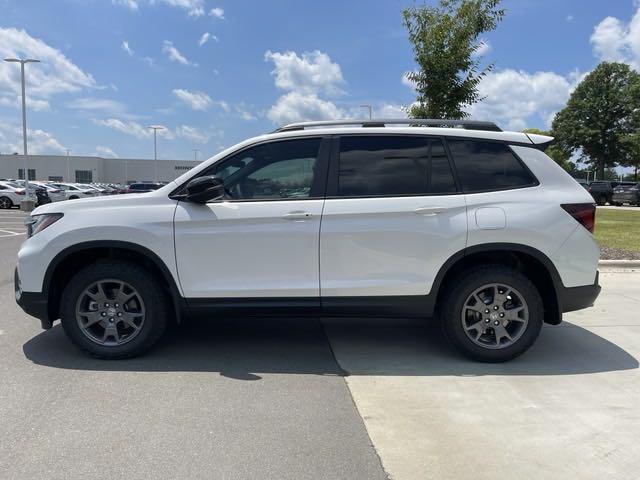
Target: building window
32	173
84	176
54	178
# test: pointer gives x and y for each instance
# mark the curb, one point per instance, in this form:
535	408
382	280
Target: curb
619	263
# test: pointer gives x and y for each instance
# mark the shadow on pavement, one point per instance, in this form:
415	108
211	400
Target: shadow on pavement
245	348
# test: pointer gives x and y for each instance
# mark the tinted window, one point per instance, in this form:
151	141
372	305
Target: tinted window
271	171
393	165
487	166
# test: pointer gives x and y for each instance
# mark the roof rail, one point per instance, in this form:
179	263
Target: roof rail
413	122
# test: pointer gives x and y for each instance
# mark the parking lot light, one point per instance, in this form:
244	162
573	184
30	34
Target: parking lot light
26	203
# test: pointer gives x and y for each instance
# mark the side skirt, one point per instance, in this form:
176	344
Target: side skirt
418	306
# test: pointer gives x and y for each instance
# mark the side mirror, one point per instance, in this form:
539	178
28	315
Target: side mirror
204	189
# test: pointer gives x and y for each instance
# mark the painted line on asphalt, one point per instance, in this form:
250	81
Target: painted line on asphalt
10	233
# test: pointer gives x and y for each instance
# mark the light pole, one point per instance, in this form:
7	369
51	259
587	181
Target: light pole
155	129
370	109
24	124
68	169
195	154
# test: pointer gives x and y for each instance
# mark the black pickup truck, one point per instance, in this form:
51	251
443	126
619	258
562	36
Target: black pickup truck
602	191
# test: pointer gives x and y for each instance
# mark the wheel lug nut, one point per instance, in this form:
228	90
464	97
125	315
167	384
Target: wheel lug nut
111	320
486	320
106	304
495	308
116	305
501	315
103	314
119	314
486	310
496	323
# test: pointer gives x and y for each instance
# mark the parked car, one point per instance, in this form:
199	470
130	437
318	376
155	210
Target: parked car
74	191
13	192
143	187
626	194
11	195
55	194
602	191
476	226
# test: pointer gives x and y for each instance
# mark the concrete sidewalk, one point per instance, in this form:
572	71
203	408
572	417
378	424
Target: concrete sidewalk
567	409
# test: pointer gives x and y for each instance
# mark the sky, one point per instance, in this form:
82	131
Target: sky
215	72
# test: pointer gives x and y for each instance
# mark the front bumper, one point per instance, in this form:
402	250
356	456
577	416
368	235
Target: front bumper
35	304
577	298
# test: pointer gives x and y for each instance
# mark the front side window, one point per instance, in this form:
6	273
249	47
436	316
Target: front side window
393	166
483	166
274	170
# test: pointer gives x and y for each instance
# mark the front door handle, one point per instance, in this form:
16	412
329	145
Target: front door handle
297	215
429	211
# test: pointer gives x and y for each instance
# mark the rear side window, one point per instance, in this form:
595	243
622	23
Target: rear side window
393	166
483	166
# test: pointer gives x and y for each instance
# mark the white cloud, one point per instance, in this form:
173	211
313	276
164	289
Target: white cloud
174	54
39	141
217	12
127	48
97	105
193	134
244	113
297	106
406	82
313	72
204	38
194	8
389	110
483	48
513	98
34	104
615	40
130	128
195	99
103	151
56	74
569	18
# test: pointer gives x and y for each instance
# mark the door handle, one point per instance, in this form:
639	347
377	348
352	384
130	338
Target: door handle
429	211
296	215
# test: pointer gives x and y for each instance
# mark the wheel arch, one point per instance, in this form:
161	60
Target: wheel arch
530	261
69	260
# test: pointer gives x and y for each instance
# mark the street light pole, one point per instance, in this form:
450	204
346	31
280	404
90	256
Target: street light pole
155	129
68	169
370	109
195	154
24	119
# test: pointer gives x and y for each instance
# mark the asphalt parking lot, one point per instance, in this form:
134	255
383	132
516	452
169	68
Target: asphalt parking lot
321	399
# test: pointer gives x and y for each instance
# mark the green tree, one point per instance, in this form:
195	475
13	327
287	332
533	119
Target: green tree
445	39
600	115
559	154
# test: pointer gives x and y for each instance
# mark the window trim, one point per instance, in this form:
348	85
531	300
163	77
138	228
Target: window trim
334	167
319	182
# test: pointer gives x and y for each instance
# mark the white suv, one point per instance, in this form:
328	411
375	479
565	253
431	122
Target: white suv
470	224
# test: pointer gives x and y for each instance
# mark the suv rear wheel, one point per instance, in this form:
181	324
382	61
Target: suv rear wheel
114	309
492	313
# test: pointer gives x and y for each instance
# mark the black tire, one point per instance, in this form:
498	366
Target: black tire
5	202
150	290
602	200
451	311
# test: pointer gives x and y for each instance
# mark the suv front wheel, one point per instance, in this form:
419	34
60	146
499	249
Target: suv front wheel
114	309
492	313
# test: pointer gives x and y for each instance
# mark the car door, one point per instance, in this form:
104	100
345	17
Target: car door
263	239
392	217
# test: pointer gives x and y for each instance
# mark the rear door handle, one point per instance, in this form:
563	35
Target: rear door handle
298	215
429	211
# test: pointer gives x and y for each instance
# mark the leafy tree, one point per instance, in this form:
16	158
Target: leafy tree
632	152
600	115
445	39
559	154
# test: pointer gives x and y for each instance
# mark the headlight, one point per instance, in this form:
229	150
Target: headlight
37	223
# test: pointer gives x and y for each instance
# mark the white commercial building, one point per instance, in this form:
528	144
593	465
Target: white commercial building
92	169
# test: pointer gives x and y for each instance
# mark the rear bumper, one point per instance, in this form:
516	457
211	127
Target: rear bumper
35	304
577	298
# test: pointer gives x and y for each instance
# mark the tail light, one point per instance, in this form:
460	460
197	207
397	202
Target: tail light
583	213
19	192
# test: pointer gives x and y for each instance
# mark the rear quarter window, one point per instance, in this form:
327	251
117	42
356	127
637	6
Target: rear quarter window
484	166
